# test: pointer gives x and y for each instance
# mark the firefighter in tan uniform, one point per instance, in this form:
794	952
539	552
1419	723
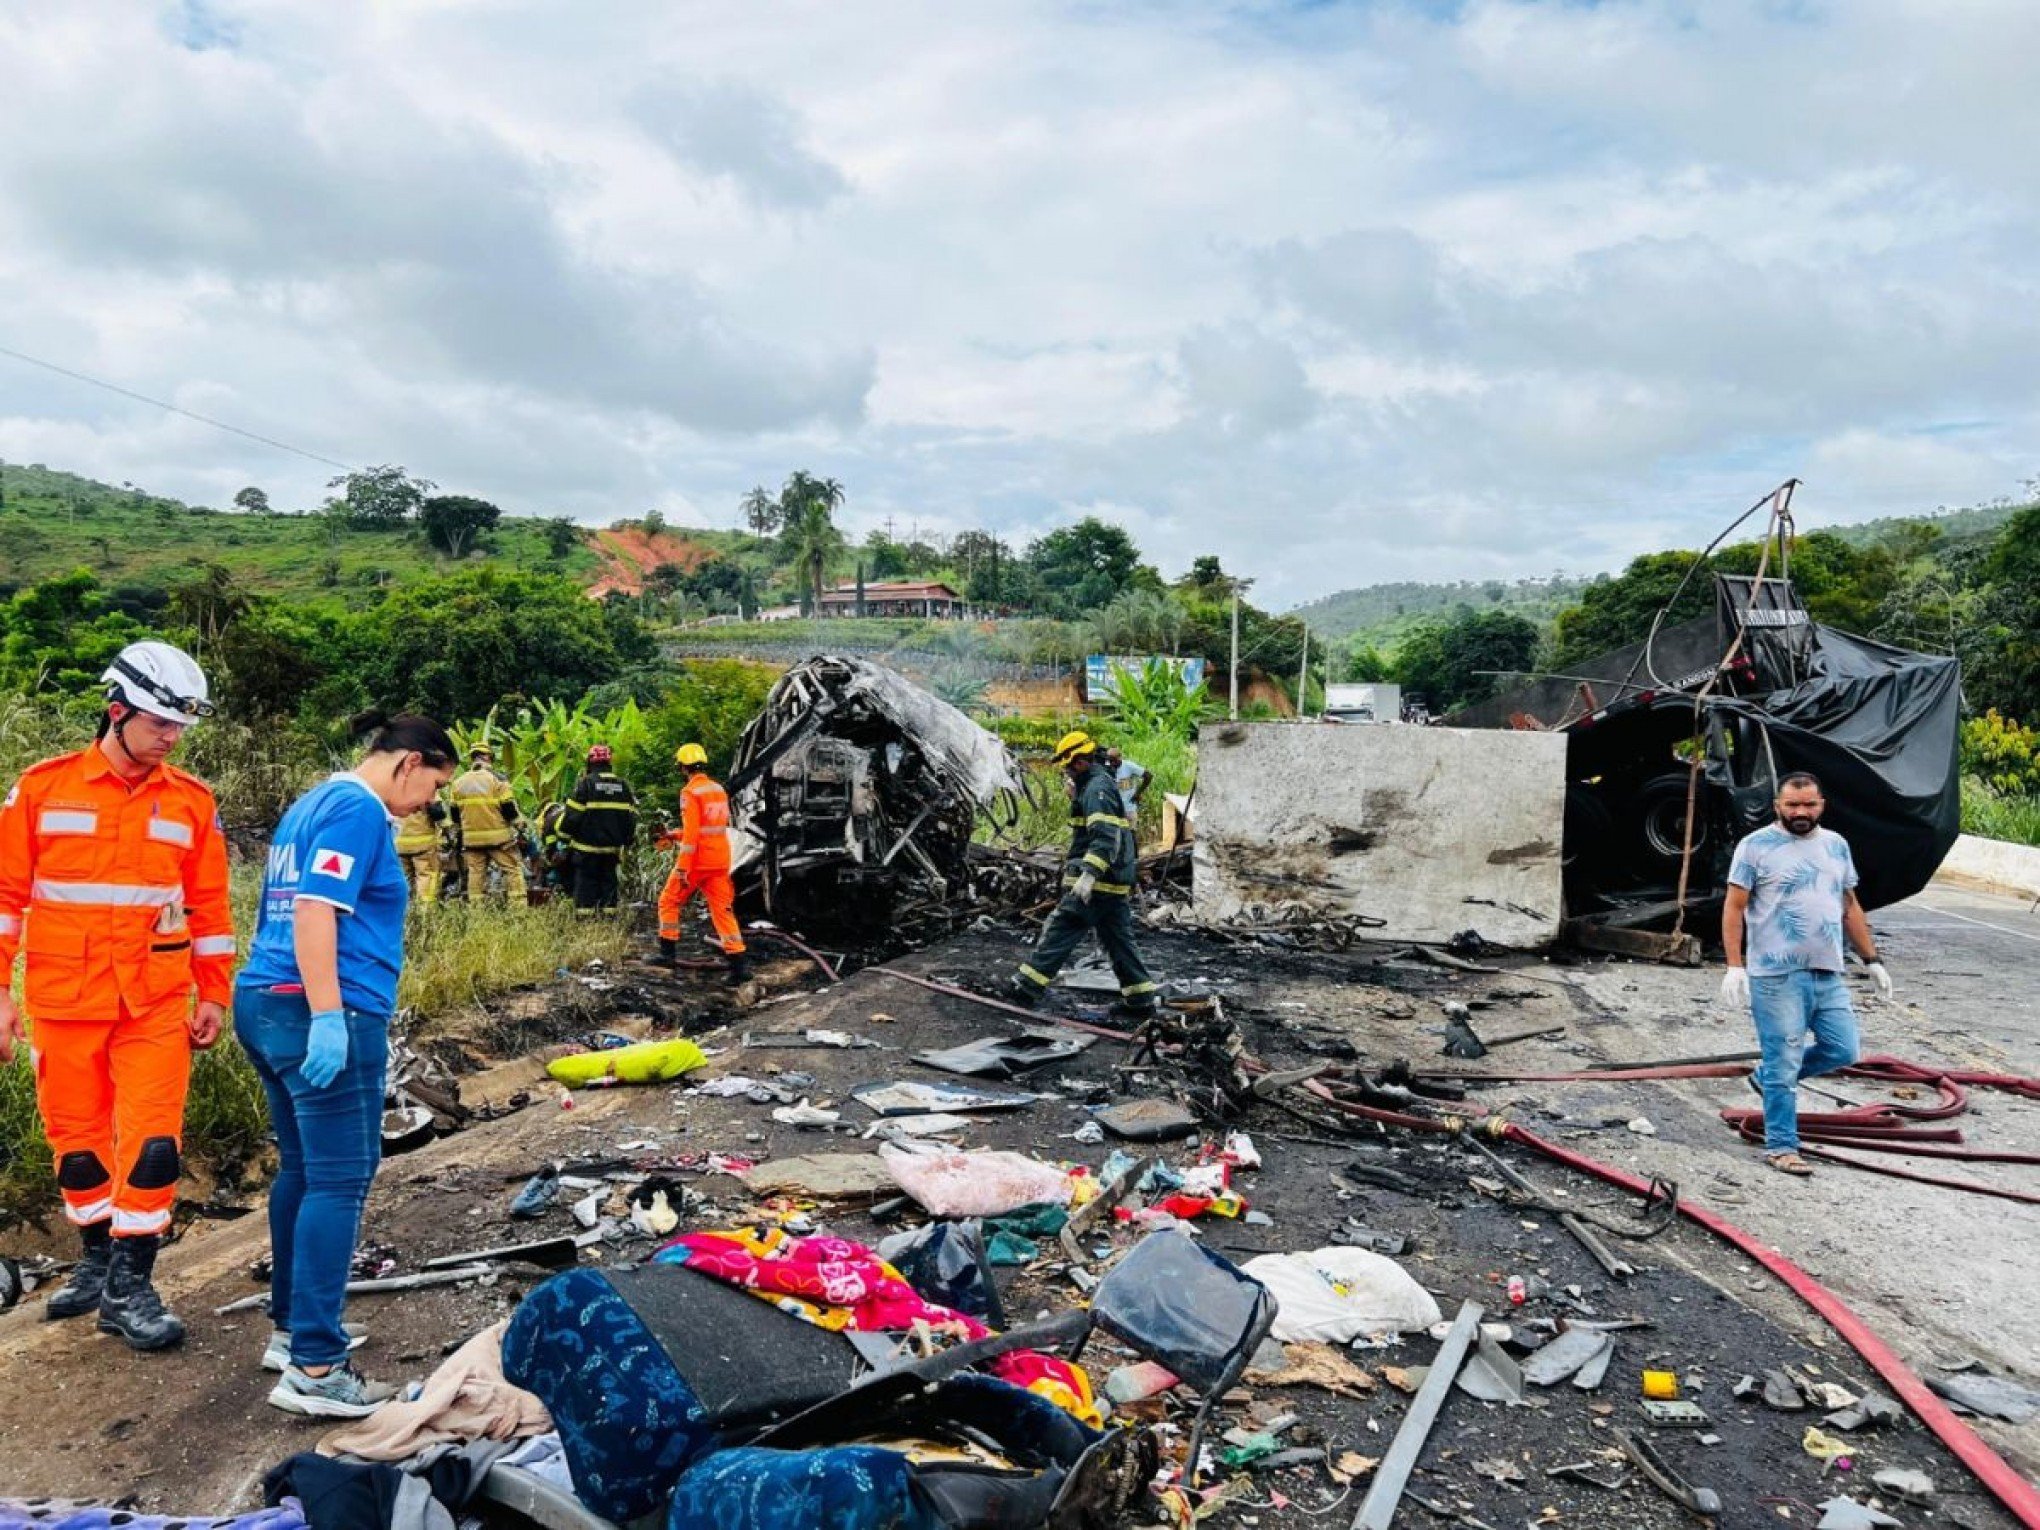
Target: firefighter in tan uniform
488	813
113	886
418	849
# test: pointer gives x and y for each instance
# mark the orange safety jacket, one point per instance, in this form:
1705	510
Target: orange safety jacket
117	895
704	827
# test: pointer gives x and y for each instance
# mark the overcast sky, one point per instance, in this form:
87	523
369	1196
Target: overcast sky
1341	292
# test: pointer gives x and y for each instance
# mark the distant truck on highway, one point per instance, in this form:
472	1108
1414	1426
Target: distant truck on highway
1375	702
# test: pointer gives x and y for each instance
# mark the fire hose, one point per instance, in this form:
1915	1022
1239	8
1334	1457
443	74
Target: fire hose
2010	1489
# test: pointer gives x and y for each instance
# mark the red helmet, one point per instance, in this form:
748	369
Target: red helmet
598	754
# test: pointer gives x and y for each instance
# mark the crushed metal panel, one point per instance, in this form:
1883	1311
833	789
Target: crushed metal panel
1434	830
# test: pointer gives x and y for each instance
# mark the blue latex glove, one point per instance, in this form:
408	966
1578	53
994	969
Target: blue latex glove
326	1049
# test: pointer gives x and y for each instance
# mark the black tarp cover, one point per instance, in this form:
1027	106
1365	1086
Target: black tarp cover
1880	727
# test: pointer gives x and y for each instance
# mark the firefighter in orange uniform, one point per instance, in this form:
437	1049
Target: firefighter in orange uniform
113	883
703	866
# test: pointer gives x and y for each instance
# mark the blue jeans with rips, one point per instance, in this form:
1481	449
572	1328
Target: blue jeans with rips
1788	1007
329	1142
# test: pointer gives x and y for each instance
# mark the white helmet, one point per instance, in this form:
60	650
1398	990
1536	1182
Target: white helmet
163	681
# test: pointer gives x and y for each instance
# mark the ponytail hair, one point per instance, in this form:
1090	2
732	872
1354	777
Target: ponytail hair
405	733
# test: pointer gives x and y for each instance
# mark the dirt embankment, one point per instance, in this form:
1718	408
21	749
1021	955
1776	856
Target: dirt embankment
630	553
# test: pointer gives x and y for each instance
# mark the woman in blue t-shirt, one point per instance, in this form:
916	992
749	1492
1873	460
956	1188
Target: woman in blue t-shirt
312	1009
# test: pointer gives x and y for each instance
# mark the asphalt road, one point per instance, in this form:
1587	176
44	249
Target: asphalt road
1938	1272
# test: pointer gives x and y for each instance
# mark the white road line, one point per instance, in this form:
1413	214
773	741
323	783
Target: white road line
1949	913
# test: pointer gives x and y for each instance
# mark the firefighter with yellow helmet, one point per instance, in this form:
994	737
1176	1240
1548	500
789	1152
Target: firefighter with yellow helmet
1098	880
488	814
703	865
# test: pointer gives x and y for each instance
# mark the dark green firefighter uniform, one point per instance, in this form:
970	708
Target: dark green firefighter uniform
599	823
1102	849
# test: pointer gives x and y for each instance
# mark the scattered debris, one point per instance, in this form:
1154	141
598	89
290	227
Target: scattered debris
1314	1365
1148	1121
984	1183
1912	1486
1335	1295
1994	1396
1700	1500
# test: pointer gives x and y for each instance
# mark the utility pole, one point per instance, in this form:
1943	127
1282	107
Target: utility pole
1303	677
1233	699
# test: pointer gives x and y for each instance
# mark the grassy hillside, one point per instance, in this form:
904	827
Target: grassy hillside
55	522
1381	614
1977	524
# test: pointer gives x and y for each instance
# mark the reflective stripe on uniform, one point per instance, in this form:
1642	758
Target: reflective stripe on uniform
66	821
1097	862
85	1216
575	844
1133	989
713	828
139	1223
105	894
1034	977
213	945
1100	887
170	831
9	925
614	807
1112	818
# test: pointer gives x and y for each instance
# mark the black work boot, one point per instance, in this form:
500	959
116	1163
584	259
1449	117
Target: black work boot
669	951
131	1307
738	968
80	1294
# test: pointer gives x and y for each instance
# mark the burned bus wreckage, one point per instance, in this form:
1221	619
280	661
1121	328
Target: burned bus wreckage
856	795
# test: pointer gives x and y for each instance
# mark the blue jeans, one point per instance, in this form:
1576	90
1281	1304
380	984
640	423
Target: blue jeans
329	1141
1787	1007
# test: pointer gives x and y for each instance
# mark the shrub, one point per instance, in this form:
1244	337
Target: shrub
2002	754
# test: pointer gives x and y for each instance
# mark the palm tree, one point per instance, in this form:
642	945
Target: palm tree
761	511
807	508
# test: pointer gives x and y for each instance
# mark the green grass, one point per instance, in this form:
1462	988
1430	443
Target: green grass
454	956
1992	816
54	524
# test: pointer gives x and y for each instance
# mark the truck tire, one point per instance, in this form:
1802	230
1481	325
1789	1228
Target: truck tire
1661	818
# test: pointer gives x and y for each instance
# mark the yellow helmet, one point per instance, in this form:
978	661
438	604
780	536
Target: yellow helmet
690	754
1074	745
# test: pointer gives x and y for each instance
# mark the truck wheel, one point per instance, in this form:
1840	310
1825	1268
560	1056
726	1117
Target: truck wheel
1661	817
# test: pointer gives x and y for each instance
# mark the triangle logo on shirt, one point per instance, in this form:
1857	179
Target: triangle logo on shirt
332	863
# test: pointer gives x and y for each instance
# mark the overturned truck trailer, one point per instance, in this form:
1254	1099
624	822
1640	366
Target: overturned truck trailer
855	794
1878	725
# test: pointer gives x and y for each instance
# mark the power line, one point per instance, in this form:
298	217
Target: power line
283	446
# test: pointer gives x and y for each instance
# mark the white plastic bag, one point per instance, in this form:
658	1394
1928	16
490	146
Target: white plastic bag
979	1184
1334	1295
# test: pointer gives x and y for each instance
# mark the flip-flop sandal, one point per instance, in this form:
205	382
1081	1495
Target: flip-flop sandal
1789	1163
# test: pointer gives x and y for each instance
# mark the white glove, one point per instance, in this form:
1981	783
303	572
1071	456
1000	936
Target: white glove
1087	883
1735	988
1882	979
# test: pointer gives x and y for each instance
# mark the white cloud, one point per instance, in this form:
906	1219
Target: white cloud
1339	293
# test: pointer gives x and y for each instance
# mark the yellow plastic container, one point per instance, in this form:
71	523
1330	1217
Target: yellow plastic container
1660	1386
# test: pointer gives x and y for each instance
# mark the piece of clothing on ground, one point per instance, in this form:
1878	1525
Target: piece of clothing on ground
64	1514
112	1101
467	1398
329	1142
839	1284
423	1493
1806	1027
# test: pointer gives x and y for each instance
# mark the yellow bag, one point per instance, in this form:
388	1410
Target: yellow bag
644	1062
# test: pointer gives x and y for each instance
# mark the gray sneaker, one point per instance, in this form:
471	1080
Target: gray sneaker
343	1392
276	1355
